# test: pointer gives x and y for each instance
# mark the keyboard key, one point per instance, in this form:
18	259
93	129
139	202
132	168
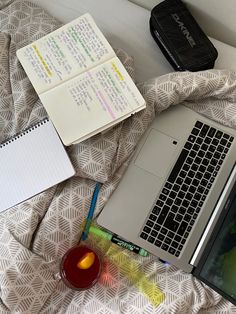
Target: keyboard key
223	141
167	240
151	239
168	185
231	139
190	210
213	162
143	236
147	229
185	203
184	188
164	231
191	174
162	197
197	196
159	203
182	211
204	147
188	145
211	132
194	203
158	243
215	142
179	181
195	131
169	201
161	237
187	217
212	148
195	182
165	247
156	210
170	234
189	196
165	191
218	134
171	251
193	153
220	148
207	140
150	223
198	175
153	217
177	238
201	153
186	235
198	124
205	162
192	189
194	167
187	181
209	155
181	194
154	233
177	253
199	140
174	209
174	244
183	226
191	139
176	187
200	189
173	194
157	227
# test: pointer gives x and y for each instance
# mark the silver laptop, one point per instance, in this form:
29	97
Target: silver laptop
177	197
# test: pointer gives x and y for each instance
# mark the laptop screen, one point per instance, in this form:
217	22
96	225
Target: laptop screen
218	269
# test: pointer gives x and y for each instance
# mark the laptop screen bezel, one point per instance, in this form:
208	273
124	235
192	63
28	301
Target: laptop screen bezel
198	269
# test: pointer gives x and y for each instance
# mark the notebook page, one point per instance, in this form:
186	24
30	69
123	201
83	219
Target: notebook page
30	163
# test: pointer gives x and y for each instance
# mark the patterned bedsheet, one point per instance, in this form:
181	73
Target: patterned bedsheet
35	234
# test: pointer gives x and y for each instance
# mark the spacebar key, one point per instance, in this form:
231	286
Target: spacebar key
178	166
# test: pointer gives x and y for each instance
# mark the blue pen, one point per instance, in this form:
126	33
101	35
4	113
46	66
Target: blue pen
91	211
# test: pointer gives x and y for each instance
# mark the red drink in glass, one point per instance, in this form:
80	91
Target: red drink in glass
73	275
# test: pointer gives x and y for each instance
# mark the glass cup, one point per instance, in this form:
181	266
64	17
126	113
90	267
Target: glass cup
80	267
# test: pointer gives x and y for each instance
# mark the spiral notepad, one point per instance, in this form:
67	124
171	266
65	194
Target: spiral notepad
31	162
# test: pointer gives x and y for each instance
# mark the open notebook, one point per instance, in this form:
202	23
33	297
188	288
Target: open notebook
31	162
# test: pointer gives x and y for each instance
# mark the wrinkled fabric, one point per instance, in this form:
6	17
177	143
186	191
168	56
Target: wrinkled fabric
35	234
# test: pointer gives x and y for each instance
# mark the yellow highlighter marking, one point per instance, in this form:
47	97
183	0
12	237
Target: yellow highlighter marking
42	60
117	71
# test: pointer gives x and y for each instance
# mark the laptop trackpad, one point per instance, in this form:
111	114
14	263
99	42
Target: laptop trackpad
156	155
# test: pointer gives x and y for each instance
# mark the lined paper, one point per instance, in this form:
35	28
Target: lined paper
30	163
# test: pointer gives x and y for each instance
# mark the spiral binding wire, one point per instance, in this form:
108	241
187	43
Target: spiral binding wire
24	132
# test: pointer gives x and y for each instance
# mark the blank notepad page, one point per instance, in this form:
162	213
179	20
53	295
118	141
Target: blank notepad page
31	162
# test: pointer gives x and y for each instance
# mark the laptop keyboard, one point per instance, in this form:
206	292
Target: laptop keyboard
183	195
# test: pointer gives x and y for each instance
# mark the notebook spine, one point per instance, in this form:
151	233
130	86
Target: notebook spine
24	132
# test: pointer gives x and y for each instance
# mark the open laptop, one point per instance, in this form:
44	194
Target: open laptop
177	198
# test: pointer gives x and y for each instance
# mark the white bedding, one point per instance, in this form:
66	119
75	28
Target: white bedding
126	26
